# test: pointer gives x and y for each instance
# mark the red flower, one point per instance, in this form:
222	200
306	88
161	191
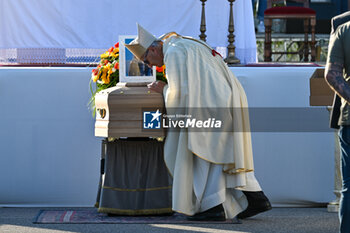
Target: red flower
106	62
99	66
116	45
116	65
95	71
159	69
110	49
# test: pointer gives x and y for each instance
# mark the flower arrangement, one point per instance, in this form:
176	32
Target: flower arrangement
106	74
161	74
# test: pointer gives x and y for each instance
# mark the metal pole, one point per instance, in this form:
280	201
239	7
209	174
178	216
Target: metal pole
203	28
231	59
102	171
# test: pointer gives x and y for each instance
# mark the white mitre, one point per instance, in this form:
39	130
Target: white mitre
140	44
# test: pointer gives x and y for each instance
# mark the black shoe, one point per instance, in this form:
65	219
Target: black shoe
257	203
216	213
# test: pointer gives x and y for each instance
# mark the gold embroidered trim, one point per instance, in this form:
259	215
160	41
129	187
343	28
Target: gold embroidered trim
134	212
238	170
137	190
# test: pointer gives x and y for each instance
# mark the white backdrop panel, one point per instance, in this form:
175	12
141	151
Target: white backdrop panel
293	168
49	155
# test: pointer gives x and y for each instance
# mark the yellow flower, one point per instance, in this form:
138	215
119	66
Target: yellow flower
113	55
104	78
164	71
104	75
110	71
116	50
104	55
95	78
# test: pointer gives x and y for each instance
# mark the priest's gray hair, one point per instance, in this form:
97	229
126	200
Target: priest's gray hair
156	43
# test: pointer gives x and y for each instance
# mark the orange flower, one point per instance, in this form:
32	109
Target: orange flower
110	49
104	76
159	69
95	71
116	65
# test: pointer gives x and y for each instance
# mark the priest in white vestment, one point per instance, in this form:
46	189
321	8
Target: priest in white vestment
213	173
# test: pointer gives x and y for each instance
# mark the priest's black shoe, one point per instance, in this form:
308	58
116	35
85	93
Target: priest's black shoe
216	213
257	203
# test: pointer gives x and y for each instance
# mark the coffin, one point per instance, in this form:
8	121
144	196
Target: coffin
320	93
120	111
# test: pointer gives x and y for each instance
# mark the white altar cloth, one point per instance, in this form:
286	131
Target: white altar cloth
91	24
50	157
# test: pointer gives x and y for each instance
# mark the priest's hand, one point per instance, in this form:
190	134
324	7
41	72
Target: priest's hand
157	86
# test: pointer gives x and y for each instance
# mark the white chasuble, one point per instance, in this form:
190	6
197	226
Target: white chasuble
197	80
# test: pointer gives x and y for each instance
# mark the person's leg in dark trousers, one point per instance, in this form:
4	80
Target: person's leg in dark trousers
344	208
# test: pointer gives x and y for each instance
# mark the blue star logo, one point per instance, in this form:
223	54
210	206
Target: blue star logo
151	120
